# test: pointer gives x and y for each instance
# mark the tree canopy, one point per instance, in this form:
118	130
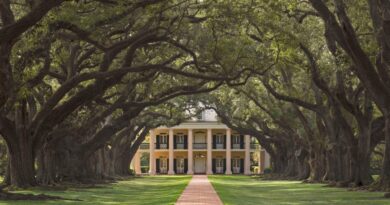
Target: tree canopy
84	81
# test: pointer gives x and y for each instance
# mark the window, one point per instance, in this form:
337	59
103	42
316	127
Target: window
164	165
236	163
164	141
219	165
219	162
199	116
236	139
219	139
180	139
180	165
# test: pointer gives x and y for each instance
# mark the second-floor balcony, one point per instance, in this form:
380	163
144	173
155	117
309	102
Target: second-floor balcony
180	146
162	146
200	145
219	146
145	146
236	146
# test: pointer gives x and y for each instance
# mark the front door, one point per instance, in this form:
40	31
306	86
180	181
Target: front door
200	165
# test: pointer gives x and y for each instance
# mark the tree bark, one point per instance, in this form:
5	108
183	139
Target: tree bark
385	176
22	173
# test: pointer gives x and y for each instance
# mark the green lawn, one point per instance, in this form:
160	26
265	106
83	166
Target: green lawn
244	190
139	191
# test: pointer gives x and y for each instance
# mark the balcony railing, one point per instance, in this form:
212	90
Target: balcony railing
219	146
180	146
162	146
144	146
236	146
200	145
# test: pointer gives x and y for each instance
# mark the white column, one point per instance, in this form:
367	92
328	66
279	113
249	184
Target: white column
228	151
267	160
259	161
170	169
137	163
209	152
190	152
247	161
152	160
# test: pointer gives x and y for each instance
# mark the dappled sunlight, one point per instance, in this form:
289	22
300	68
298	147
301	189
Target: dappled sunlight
138	190
245	190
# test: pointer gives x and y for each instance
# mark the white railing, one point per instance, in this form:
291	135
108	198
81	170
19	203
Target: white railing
200	146
163	146
219	146
179	146
236	146
236	170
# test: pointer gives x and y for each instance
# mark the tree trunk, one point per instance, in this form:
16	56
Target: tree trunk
385	175
22	173
317	164
363	175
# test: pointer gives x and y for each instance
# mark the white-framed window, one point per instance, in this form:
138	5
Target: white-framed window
163	165
180	139
219	139
236	164
236	139
200	116
180	164
219	165
163	139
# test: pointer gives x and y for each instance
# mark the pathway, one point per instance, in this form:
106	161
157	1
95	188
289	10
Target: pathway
199	192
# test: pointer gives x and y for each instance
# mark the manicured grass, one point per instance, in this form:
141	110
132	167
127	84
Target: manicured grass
244	190
139	191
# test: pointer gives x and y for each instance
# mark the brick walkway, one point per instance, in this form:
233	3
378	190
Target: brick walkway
199	192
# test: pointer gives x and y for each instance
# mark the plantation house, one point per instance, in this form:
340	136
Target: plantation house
200	146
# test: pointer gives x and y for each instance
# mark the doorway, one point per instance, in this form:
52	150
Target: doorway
200	165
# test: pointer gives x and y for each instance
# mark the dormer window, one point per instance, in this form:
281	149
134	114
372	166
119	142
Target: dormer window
199	116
